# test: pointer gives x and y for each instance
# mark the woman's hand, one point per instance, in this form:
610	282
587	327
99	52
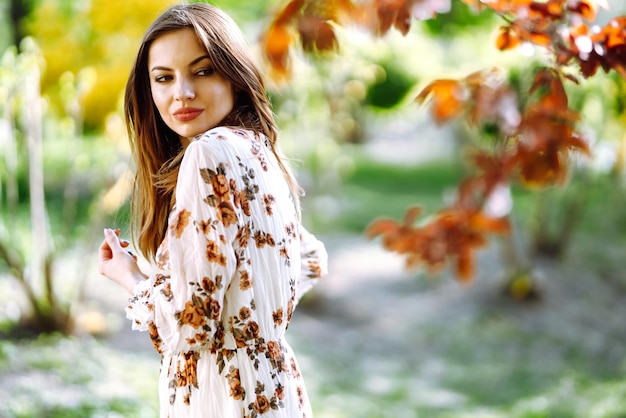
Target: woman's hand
116	263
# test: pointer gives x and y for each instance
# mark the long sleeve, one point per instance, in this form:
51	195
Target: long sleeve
182	311
314	262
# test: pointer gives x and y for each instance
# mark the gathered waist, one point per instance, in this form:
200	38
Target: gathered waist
275	351
258	346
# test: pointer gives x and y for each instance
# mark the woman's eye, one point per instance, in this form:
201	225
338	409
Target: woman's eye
162	78
206	71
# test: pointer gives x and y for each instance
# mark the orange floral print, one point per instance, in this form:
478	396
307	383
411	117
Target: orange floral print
234	382
154	337
186	370
260	239
277	316
209	285
205	227
245	282
251	330
166	291
236	390
294	369
180	222
279	392
226	214
213	253
268	201
315	270
243	236
199	338
212	308
290	229
300	392
192	315
245	203
289	310
244	313
221	186
270	240
275	354
262	404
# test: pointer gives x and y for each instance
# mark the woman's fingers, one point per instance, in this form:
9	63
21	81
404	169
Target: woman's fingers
104	252
116	244
110	237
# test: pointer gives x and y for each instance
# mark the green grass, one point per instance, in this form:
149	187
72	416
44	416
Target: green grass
480	356
374	190
60	377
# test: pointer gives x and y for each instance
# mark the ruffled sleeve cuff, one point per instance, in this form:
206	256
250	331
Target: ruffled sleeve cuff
314	262
140	309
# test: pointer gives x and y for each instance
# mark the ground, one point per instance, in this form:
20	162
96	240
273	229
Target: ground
374	340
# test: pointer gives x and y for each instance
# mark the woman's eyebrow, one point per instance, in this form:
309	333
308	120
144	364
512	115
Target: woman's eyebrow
192	63
197	60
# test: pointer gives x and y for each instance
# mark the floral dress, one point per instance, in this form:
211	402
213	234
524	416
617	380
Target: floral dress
233	265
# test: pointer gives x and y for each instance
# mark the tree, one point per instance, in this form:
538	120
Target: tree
22	109
108	33
534	128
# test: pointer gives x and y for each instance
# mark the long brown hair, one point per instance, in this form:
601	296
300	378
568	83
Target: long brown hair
156	149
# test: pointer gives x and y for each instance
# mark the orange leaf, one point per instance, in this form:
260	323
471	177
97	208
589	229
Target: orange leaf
289	12
402	21
485	224
554	96
385	14
578	143
277	40
276	44
465	266
588	9
615	32
411	215
538	169
448	98
507	39
326	40
380	227
316	34
552	9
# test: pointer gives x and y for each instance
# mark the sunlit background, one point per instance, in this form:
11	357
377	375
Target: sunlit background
538	333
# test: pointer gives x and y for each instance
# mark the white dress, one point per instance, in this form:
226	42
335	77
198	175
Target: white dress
230	272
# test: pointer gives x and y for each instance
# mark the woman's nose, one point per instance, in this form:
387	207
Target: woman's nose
184	90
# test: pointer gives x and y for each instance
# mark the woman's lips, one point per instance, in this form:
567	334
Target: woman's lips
187	113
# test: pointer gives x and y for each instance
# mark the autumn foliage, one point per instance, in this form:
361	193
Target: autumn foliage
535	136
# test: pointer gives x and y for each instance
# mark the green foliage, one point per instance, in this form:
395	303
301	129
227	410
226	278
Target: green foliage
5	25
71	174
376	189
100	35
390	87
96	42
246	11
459	20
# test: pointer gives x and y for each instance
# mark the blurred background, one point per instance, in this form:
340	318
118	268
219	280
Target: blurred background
539	332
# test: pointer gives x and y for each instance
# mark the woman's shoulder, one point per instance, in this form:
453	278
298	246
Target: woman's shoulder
225	134
219	143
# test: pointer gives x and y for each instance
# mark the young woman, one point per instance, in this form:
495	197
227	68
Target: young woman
216	208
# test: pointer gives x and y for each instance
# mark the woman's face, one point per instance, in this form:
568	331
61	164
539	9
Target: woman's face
189	94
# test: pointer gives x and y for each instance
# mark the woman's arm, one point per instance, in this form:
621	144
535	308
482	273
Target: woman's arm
182	310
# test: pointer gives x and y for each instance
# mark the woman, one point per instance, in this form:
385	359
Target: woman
216	208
